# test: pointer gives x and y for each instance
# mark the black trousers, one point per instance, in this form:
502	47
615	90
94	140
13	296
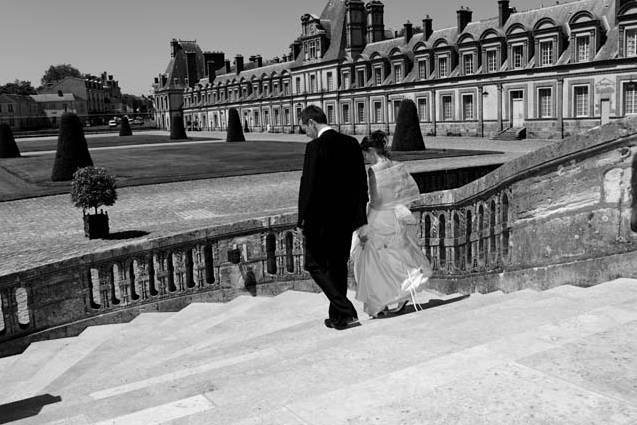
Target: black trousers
326	257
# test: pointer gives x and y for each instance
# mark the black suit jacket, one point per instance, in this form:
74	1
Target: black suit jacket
333	194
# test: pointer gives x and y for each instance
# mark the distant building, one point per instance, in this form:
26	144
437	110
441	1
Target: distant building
20	112
112	95
55	104
92	93
552	71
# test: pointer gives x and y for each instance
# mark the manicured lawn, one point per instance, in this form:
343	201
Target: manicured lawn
30	176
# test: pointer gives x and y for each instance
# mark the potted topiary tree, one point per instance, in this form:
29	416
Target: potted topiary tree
234	132
407	136
92	188
124	127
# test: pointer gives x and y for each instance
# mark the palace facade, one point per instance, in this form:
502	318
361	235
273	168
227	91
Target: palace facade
548	72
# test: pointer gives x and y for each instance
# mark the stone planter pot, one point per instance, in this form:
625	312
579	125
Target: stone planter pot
96	225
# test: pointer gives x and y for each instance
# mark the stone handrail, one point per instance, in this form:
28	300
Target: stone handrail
561	214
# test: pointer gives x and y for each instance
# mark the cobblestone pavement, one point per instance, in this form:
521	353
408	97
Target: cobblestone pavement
37	231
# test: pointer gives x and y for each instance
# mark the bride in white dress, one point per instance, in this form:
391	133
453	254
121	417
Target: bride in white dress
389	266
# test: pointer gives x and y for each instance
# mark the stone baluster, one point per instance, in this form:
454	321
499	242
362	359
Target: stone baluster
163	276
199	266
180	275
141	273
22	307
121	283
95	293
3	326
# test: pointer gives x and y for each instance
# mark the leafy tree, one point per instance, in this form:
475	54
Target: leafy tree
18	87
59	72
93	187
8	147
72	150
407	136
235	130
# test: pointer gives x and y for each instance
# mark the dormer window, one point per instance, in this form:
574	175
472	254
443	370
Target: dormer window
422	69
492	60
443	67
518	56
360	78
467	60
546	53
583	48
398	72
378	76
631	42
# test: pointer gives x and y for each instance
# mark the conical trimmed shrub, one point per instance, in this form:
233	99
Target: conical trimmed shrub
72	151
407	136
177	130
8	147
246	129
124	128
235	132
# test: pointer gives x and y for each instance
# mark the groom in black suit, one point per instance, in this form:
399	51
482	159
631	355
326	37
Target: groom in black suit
332	204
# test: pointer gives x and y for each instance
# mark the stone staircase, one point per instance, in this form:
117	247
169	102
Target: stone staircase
562	356
511	134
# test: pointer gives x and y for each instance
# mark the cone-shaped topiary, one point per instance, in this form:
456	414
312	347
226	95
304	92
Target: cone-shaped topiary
407	136
124	127
177	130
72	151
8	147
246	129
235	132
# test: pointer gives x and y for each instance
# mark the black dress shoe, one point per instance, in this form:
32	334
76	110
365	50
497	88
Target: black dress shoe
352	322
329	323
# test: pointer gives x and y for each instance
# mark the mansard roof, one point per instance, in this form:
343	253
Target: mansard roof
263	72
177	67
561	14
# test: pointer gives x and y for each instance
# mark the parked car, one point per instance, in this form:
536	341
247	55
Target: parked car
136	122
113	123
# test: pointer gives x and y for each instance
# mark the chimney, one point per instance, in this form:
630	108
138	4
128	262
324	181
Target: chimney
355	26
464	17
238	62
427	27
60	93
210	69
375	22
191	68
504	11
409	31
110	78
228	67
174	47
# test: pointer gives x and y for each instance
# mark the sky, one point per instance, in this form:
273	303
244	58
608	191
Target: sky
130	39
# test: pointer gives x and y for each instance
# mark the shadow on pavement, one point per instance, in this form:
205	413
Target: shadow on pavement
25	408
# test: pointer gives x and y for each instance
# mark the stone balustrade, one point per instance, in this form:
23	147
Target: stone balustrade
559	215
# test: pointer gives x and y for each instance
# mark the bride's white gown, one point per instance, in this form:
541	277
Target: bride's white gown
390	265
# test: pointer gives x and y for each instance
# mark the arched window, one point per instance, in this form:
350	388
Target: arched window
480	233
492	222
289	252
428	235
505	226
270	251
468	233
456	235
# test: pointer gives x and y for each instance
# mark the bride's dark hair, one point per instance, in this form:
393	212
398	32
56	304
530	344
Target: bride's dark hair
377	140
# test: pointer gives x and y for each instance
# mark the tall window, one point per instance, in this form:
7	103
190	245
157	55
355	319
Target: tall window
10	107
312	49
422	69
518	56
545	97
468	63
346	118
286	116
492	60
581	101
346	81
360	78
443	67
583	44
360	112
422	109
447	108
330	81
298	84
378	112
546	53
398	73
630	98
286	88
312	83
467	107
378	76
330	114
277	117
631	42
